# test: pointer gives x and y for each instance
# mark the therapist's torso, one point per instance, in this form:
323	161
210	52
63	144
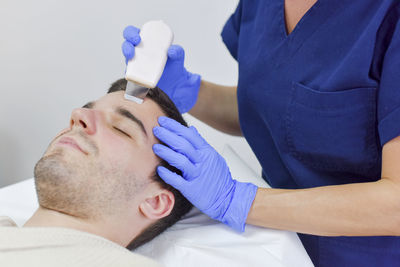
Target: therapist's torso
317	105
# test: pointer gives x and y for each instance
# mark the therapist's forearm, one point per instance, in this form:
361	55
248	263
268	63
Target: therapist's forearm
362	209
217	106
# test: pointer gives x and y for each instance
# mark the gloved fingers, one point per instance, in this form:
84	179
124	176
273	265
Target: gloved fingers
174	126
131	34
189	134
175	159
128	50
194	79
176	52
197	140
171	178
177	143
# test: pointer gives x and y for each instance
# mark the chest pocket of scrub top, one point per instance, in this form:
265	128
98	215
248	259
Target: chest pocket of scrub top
332	130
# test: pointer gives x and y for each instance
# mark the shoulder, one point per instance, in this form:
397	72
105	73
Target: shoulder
6	221
389	28
64	247
110	256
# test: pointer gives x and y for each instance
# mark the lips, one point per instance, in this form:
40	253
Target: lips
71	142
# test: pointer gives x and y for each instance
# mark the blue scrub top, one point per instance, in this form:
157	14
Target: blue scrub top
317	106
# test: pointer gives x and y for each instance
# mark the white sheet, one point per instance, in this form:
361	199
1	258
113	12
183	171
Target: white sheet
196	240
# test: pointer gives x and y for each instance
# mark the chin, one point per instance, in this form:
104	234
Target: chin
62	185
53	181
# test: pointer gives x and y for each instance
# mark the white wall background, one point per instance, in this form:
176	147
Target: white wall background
57	55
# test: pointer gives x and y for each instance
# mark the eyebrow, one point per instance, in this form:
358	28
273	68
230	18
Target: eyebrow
127	114
123	112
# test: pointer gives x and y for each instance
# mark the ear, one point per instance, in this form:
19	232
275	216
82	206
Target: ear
158	206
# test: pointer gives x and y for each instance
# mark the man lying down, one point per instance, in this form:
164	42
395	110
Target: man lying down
98	188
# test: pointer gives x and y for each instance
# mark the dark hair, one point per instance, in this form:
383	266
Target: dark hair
182	205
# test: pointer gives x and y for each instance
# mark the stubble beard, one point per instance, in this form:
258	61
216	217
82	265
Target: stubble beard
59	187
87	190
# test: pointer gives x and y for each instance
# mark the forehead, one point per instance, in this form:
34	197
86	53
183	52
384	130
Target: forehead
147	112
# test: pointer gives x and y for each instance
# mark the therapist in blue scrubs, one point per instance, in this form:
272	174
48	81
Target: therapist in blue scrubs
318	100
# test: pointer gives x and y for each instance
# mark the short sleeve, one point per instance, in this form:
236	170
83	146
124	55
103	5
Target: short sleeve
230	32
388	104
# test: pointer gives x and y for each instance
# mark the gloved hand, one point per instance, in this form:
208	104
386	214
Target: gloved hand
179	84
206	180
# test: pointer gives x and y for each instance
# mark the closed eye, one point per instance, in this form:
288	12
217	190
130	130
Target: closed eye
119	130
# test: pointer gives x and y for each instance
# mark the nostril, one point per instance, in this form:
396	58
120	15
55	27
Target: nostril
82	123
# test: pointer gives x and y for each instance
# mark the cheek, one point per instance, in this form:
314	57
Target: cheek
127	157
141	164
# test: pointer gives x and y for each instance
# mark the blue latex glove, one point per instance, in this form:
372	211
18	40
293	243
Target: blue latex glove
179	84
206	180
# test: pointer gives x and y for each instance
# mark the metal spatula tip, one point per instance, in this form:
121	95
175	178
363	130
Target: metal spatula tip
134	99
135	92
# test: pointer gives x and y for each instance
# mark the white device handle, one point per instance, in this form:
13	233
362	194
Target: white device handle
151	54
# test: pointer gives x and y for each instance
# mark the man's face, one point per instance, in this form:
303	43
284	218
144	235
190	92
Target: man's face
102	160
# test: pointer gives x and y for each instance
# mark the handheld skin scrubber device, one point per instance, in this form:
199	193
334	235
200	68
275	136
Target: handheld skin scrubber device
144	70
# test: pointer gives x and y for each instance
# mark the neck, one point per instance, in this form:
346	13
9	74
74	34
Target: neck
109	229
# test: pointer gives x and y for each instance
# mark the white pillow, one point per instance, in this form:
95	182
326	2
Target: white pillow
198	241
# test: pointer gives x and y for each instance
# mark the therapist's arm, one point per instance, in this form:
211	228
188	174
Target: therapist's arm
217	106
361	209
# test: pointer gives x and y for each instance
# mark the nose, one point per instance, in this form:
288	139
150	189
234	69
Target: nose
84	118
